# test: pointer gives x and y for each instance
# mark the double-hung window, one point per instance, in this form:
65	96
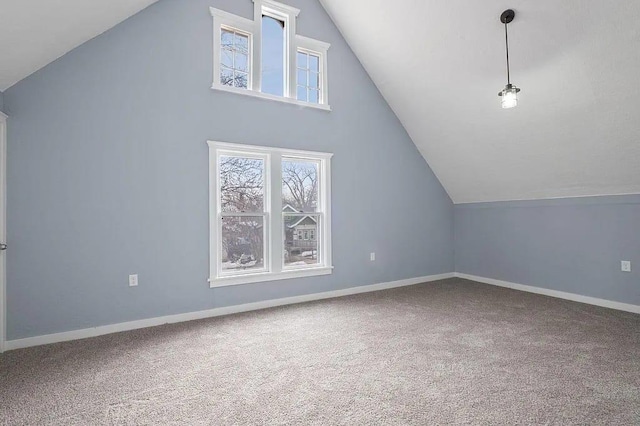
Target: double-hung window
270	214
264	57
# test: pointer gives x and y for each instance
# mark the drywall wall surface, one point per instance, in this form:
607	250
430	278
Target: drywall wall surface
573	245
108	175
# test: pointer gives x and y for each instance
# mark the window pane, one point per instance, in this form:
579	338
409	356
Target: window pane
299	185
241	43
226	76
302	93
314	80
303	60
314	96
227	39
242	243
226	58
241	62
300	243
302	77
314	63
241	79
241	184
272	56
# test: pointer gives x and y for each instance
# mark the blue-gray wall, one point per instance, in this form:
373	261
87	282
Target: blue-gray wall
573	245
1	101
108	175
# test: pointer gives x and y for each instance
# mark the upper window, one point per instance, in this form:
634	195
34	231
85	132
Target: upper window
270	214
265	57
234	58
273	54
309	77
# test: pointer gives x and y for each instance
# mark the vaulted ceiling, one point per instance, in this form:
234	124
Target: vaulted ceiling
34	33
440	65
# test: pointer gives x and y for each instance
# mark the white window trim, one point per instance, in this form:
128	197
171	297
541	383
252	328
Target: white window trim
293	42
274	259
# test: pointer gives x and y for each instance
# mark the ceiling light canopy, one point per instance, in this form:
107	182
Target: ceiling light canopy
509	94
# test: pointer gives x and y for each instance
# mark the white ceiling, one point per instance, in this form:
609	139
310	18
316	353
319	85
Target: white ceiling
34	33
440	65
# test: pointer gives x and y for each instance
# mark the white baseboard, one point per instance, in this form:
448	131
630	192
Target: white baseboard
554	293
170	319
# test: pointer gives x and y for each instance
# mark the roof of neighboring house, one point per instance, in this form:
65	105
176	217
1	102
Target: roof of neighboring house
288	221
302	219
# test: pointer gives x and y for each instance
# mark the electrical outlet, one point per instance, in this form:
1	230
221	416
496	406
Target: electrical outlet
372	257
625	266
133	280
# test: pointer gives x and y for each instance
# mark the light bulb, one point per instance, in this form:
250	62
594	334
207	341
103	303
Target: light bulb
510	96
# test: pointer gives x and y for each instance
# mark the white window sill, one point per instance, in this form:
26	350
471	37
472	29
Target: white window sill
267	96
269	276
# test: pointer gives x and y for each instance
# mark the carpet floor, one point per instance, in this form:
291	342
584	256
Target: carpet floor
449	352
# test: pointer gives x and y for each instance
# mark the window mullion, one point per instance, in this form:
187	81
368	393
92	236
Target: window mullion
277	229
243	214
325	207
292	66
215	220
256	50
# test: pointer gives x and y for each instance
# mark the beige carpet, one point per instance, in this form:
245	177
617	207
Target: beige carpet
451	352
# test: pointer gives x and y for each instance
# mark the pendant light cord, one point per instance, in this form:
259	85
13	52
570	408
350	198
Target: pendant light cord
506	40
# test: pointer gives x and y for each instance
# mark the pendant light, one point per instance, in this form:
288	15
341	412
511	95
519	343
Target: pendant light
509	94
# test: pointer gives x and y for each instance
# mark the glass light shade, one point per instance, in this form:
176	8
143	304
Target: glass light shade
509	97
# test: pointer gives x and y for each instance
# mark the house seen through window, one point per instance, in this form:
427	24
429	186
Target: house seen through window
300	211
